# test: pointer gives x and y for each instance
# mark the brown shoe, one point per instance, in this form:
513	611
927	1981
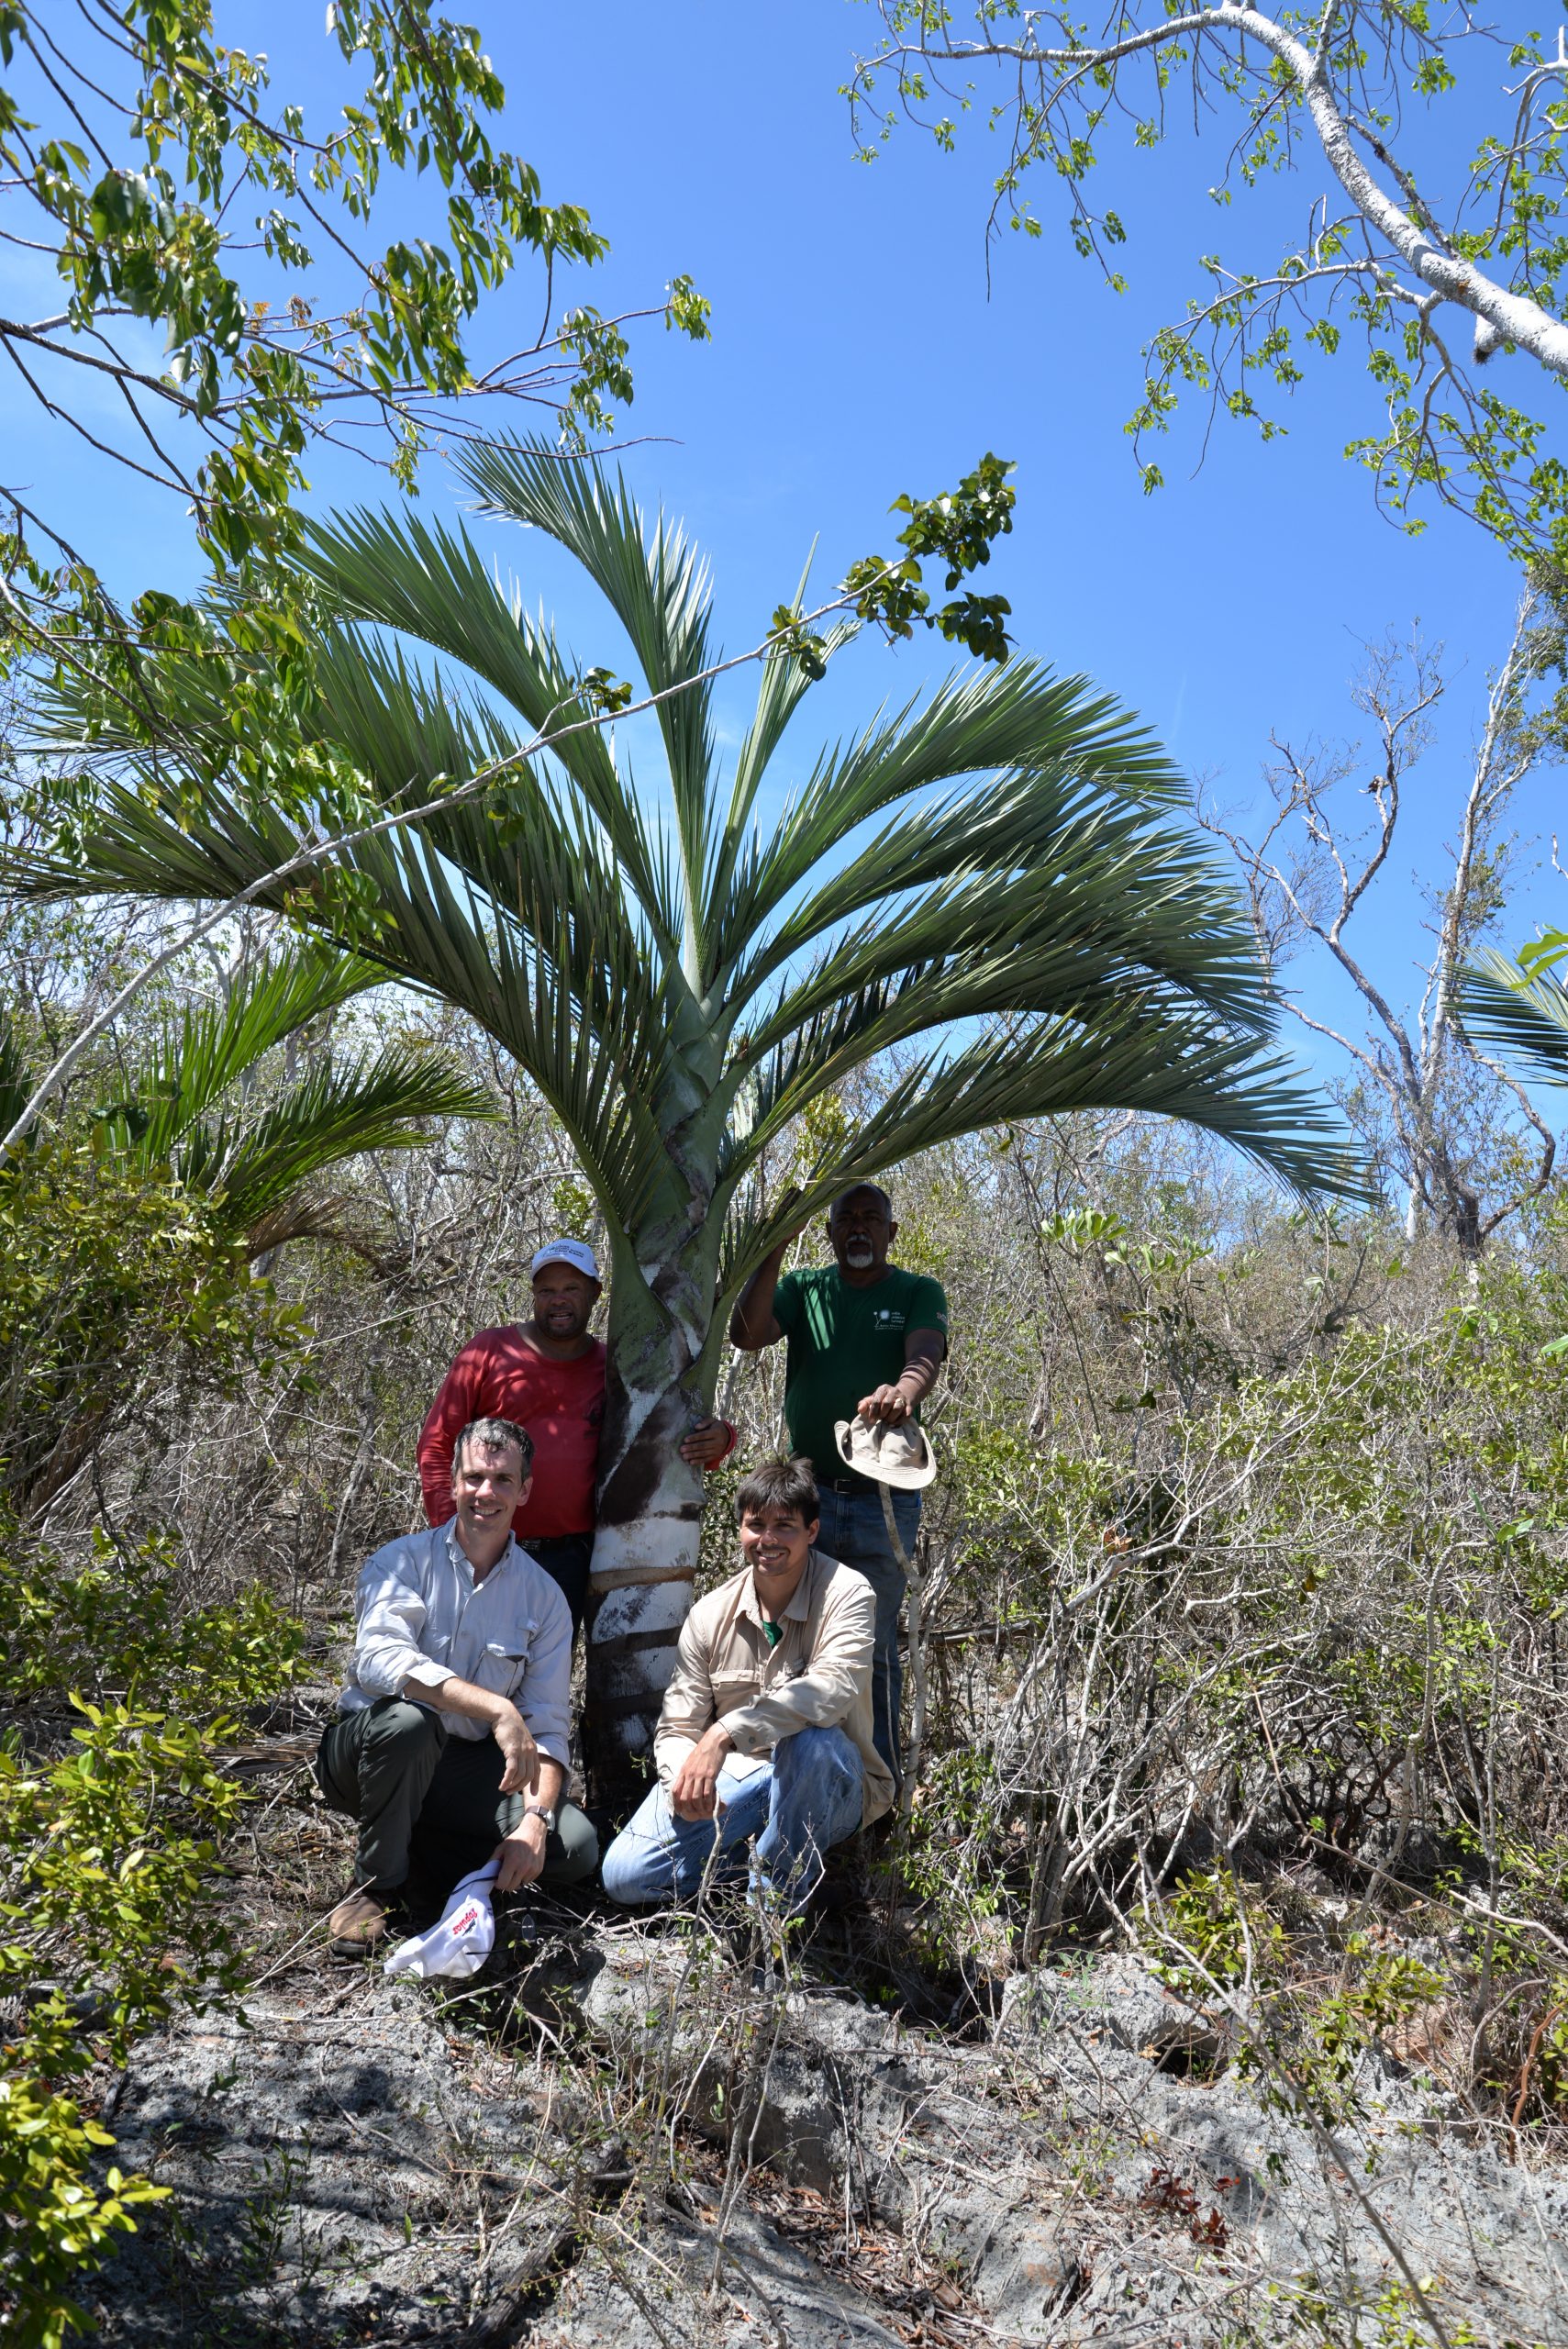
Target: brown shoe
356	1925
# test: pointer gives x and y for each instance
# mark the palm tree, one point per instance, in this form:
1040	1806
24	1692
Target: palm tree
187	1105
194	1108
989	891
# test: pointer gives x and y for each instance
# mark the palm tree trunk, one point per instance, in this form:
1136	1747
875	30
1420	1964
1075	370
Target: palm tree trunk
650	1507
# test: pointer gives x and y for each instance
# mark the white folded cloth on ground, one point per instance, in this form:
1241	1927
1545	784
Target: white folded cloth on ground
461	1938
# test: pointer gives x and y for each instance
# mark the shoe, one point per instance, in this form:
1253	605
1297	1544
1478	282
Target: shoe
356	1925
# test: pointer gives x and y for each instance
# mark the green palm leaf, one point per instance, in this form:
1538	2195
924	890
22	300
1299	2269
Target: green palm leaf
1523	1015
1019	717
263	1168
524	959
1143	1058
191	1060
653	582
182	1106
1032	862
432	584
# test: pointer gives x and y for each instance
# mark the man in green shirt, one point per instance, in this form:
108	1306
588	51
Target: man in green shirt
865	1337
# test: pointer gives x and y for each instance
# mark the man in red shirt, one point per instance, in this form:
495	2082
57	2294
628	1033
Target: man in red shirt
546	1374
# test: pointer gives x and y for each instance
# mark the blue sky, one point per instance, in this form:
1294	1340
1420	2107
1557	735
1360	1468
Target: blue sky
858	352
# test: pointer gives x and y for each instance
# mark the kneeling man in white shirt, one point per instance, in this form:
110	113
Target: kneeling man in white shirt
456	1719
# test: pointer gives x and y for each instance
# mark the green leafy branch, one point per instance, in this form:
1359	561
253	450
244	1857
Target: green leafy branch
145	156
109	1908
956	528
1440	257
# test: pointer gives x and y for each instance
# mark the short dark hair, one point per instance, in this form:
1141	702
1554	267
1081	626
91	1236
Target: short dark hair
780	1484
495	1435
849	1193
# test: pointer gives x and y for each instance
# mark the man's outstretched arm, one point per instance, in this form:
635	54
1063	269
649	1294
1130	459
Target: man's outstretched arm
923	1353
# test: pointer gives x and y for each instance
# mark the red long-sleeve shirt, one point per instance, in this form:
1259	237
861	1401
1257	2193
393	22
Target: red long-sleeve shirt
562	1405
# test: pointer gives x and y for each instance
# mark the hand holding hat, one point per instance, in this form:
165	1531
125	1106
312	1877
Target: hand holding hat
889	1455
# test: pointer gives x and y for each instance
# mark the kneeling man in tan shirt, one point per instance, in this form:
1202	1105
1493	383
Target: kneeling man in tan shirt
766	1728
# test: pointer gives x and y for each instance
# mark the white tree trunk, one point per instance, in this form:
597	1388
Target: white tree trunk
650	1507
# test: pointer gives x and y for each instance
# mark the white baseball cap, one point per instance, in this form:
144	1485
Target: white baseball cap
459	1944
575	1253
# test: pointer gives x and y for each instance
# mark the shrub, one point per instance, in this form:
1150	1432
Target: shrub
107	1852
109	1282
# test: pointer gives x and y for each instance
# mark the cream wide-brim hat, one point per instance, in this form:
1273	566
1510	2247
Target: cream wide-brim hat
889	1455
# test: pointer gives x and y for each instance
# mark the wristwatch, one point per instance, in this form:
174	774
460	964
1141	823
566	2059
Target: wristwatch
537	1810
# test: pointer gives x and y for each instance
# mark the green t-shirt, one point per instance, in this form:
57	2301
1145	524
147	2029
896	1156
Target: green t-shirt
843	1342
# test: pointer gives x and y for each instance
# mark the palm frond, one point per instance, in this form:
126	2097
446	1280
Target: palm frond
1144	1057
537	855
654	582
738	849
1525	1017
407	731
1019	718
180	1104
1065	980
191	1060
1028	879
444	934
259	1163
430	583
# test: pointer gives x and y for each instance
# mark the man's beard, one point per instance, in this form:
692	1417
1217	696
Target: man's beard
859	1252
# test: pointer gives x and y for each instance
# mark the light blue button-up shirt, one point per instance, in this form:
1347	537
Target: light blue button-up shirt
420	1616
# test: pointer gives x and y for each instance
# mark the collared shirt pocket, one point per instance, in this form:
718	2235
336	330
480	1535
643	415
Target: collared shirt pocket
501	1664
731	1690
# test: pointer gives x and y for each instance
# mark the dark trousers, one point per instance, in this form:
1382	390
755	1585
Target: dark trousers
416	1791
565	1558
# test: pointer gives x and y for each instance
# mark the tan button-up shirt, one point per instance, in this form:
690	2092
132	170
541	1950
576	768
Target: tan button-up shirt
818	1676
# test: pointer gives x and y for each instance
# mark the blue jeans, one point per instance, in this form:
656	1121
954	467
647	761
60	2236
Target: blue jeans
855	1532
809	1799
